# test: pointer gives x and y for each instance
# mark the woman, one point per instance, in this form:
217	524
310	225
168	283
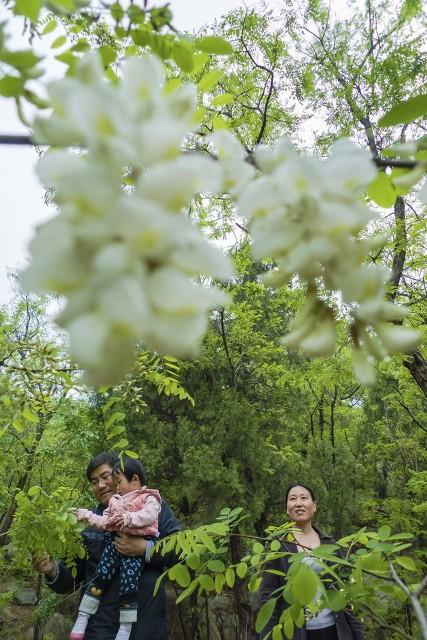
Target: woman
327	625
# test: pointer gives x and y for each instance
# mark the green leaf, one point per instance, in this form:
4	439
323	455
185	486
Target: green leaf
209	80
62	6
183	57
217	566
30	416
28	8
384	532
117	415
214	44
131	454
108	55
58	42
169	87
223	99
180	574
115	431
336	600
288	627
275	545
67	58
187	592
277	632
117	11
405	111
219	123
34	491
265	614
207	541
6	400
381	191
199	61
258	548
17	424
51	26
304	585
24	59
206	582
406	563
242	569
397	172
193	561
230	577
219	582
121	444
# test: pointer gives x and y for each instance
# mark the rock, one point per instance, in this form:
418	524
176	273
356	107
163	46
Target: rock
58	627
26	595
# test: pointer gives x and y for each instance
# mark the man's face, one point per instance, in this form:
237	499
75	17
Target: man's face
103	483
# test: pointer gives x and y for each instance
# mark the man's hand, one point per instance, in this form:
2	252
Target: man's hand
45	565
130	545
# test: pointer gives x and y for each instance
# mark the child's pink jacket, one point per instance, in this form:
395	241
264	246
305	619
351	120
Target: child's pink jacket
140	509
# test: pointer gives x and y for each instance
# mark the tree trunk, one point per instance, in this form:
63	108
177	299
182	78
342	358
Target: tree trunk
241	602
417	367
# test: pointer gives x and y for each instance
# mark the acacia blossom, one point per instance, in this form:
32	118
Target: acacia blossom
308	214
125	259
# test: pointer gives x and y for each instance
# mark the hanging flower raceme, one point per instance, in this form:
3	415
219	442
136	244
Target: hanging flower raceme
308	214
125	259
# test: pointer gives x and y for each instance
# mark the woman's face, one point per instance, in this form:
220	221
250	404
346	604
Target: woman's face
300	505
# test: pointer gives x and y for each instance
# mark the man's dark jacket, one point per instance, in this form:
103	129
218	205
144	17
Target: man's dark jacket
152	620
348	627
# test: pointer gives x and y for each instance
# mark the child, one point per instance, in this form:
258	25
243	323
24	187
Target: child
135	510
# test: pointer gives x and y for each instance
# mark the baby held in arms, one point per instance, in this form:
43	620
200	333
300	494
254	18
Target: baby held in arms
134	509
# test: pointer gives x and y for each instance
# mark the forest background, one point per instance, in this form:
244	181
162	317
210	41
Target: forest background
234	427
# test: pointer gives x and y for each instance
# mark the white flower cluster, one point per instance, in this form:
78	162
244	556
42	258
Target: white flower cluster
124	258
308	214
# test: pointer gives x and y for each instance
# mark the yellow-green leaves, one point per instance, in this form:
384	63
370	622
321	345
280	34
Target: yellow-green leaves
265	614
223	99
405	111
183	56
381	191
24	59
210	80
28	8
406	562
180	574
58	42
214	44
11	87
305	585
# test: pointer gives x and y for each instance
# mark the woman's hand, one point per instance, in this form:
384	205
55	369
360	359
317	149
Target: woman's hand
130	545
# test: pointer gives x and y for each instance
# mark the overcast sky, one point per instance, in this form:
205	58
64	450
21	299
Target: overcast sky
21	196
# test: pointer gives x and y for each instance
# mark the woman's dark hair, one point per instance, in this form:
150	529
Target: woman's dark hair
300	484
130	467
106	457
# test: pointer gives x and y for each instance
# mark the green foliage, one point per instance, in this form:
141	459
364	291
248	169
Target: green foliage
45	523
356	571
405	111
381	191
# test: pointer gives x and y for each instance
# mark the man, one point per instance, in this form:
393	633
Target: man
152	622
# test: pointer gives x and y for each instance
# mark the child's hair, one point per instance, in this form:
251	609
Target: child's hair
130	467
